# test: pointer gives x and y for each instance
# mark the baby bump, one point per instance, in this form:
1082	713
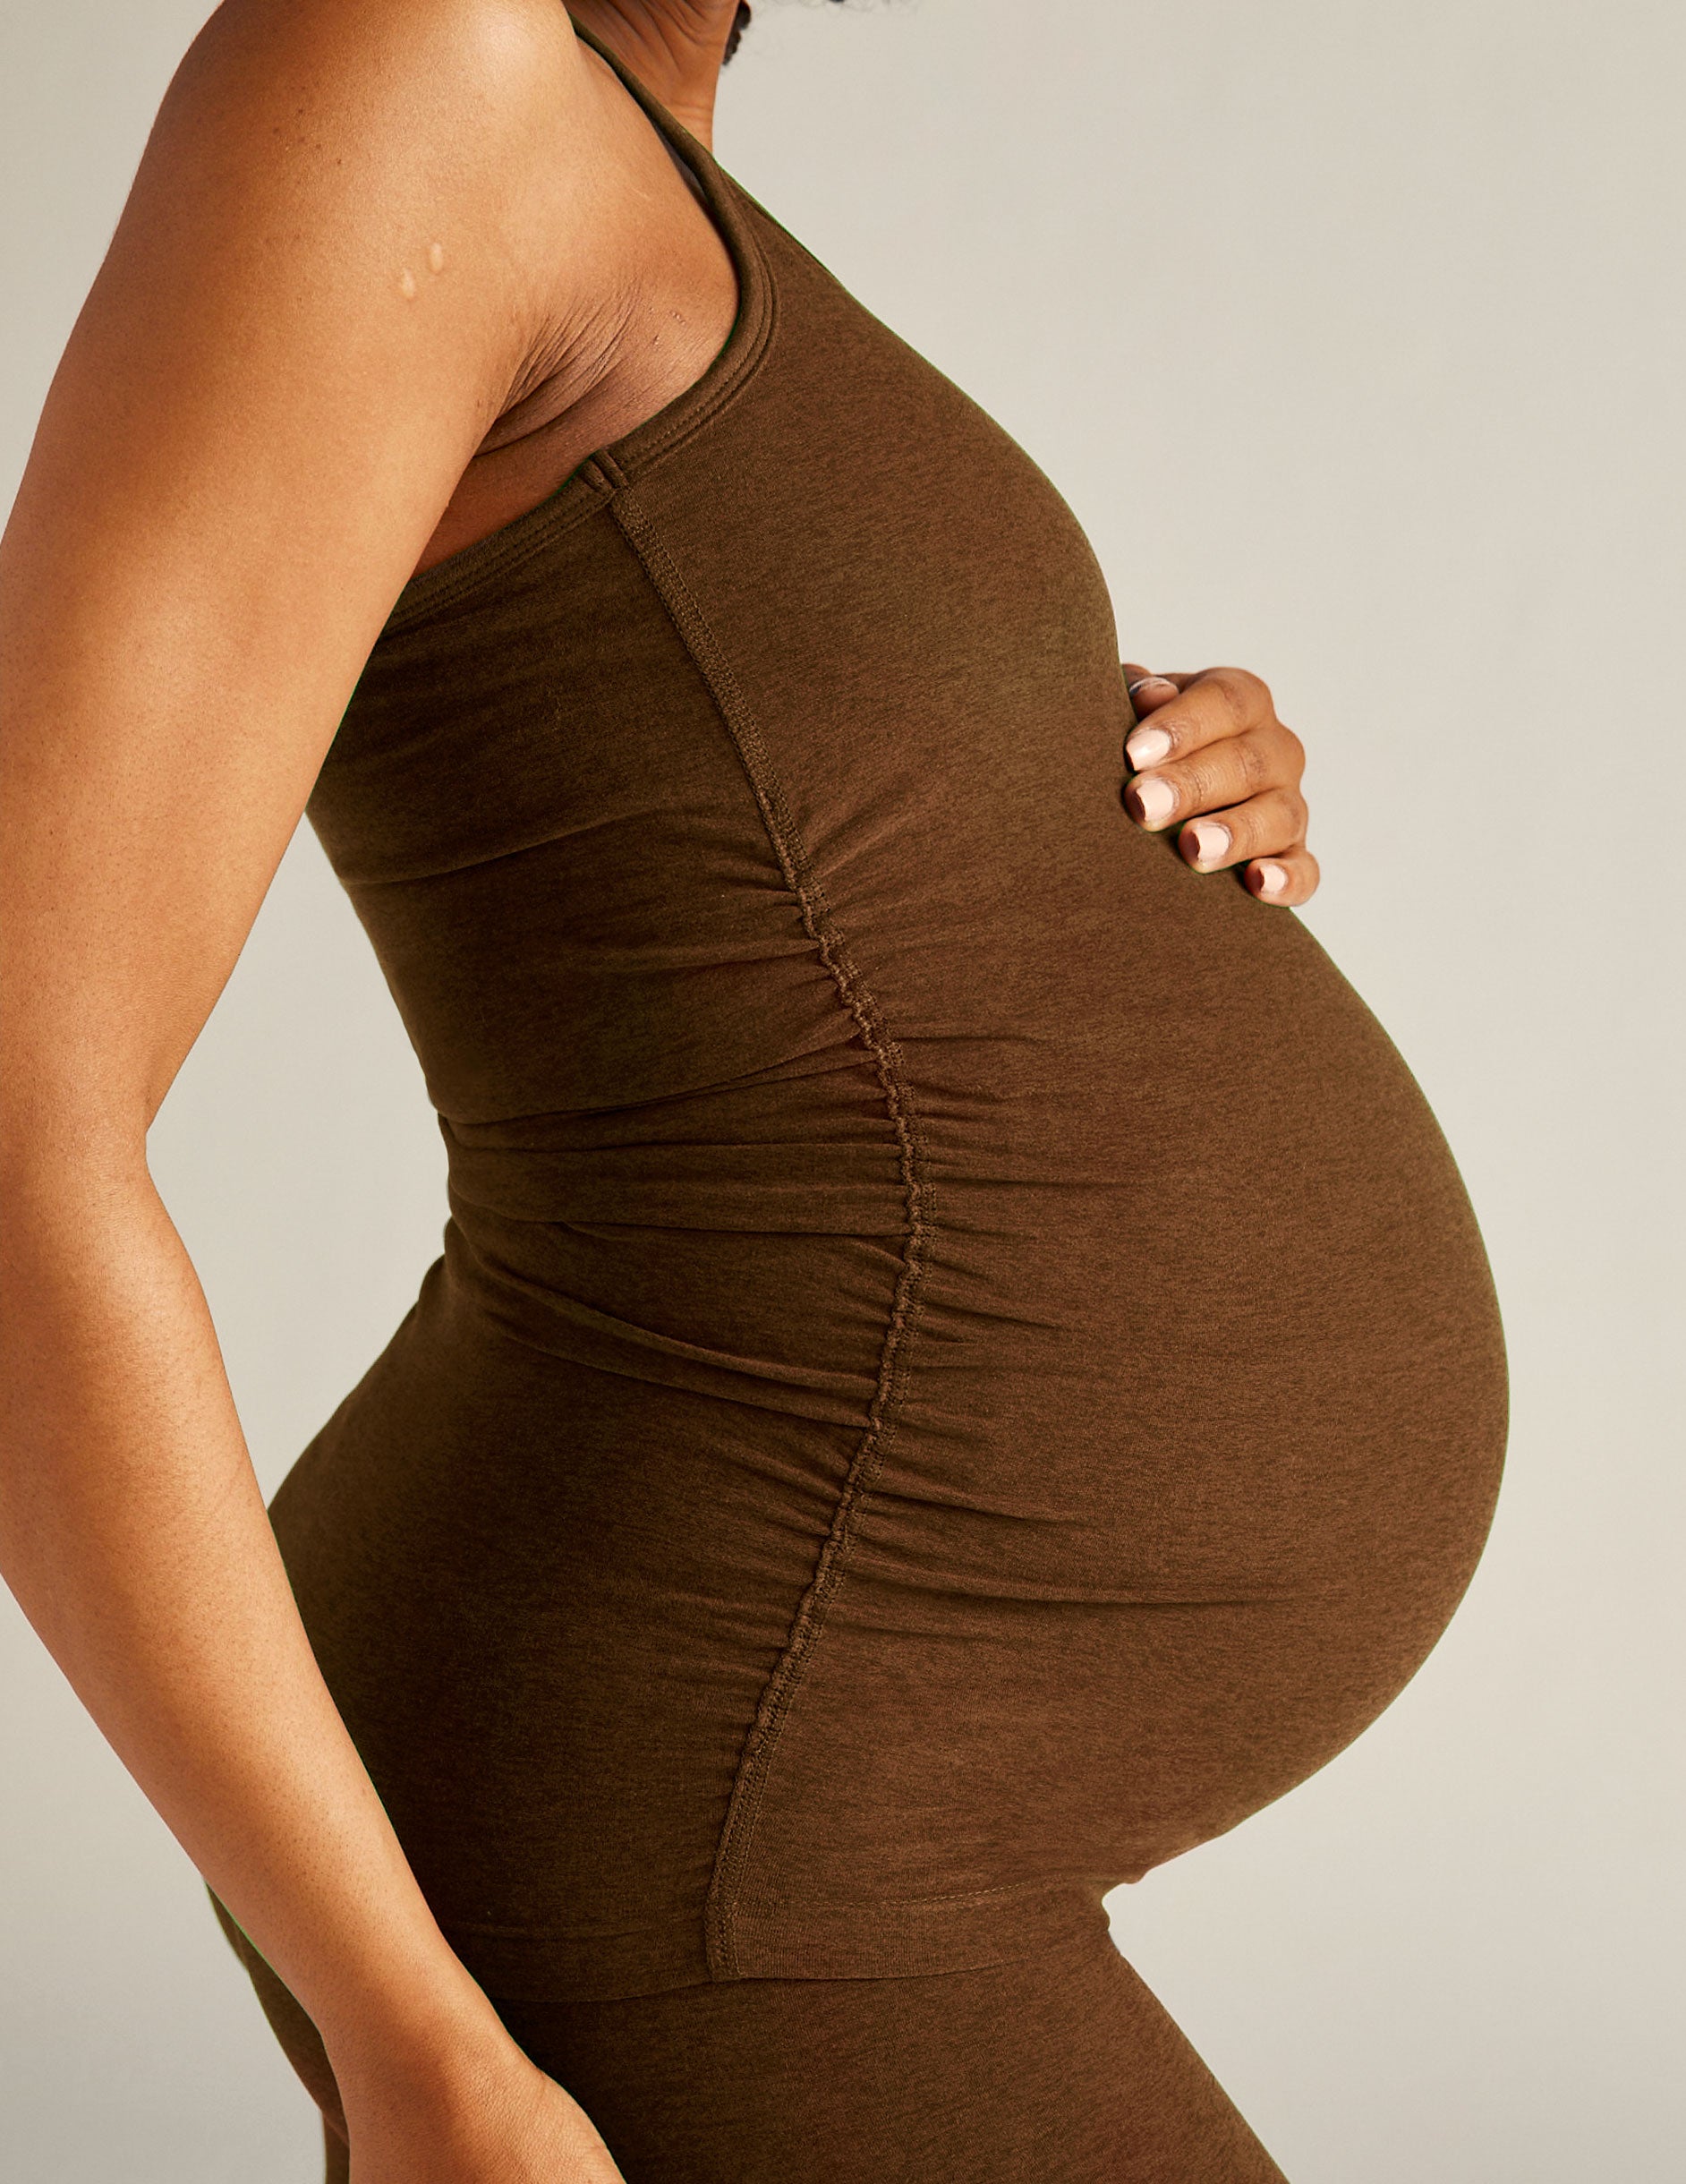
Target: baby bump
1192	1455
837	1528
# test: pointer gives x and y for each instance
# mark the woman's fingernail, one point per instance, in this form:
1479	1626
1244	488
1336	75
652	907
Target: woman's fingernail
1273	879
1150	682
1155	801
1211	840
1148	747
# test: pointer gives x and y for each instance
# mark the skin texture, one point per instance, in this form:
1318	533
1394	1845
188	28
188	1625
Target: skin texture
1215	762
389	269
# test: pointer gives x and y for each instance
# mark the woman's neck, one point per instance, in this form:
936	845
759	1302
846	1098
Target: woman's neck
673	47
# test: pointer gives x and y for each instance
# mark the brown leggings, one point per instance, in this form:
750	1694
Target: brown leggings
1060	2068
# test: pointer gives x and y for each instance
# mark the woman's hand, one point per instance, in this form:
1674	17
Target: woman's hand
497	2120
1211	757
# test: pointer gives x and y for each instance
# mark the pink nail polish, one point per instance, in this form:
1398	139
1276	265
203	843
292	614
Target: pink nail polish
1273	880
1156	799
1148	747
1211	840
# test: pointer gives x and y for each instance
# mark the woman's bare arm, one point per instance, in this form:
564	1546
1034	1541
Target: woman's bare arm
329	275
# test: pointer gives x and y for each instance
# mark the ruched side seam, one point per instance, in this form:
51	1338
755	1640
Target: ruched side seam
736	1840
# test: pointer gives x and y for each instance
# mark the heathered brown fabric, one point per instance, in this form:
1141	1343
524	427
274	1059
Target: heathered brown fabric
1056	2068
962	1364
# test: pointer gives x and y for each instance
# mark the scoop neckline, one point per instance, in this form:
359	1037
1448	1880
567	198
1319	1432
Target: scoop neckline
585	486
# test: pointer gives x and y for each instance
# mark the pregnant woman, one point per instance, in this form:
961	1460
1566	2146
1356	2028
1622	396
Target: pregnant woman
961	1365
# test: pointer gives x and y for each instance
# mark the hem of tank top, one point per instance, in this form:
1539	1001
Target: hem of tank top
729	372
712	664
888	1938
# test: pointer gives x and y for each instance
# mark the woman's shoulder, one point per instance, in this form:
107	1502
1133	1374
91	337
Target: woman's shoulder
486	95
486	123
362	112
409	147
436	53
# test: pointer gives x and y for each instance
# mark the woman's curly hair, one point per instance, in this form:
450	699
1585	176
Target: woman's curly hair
740	24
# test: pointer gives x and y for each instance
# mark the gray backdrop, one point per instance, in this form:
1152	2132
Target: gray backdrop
1354	335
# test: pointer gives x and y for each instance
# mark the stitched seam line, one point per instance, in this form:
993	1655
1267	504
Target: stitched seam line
505	552
736	1840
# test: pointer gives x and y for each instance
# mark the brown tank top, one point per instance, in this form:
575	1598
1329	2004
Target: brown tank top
814	1037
